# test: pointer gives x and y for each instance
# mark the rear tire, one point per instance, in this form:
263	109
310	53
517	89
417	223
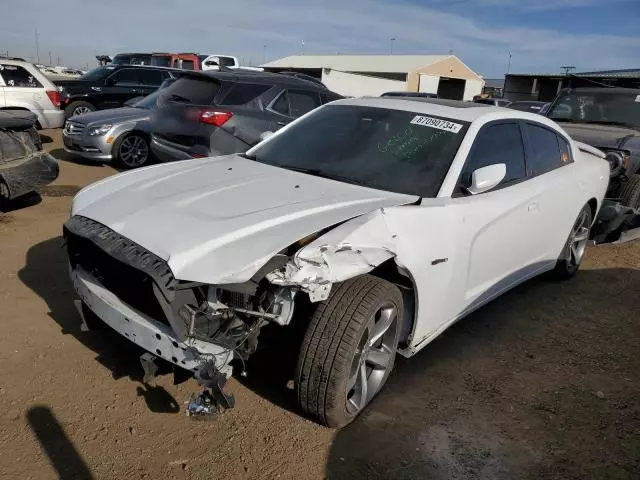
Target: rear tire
630	192
573	252
348	350
131	150
78	107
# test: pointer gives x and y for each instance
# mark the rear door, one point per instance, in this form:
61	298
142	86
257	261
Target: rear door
119	87
499	229
557	189
150	80
22	89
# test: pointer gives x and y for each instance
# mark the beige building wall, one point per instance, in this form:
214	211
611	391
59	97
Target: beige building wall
450	67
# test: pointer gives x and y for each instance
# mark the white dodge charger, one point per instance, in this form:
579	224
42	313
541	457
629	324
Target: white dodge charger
371	224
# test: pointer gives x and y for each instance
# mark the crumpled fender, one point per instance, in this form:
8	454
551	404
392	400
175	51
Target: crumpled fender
351	249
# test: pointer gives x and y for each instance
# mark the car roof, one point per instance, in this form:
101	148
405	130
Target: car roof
7	61
604	89
143	67
254	76
453	109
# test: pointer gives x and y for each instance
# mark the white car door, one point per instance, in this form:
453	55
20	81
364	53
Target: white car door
555	181
497	239
22	89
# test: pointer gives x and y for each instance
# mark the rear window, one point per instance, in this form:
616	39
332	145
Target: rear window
243	93
195	91
16	76
187	65
161	61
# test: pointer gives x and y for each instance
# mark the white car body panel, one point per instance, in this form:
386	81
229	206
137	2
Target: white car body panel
34	99
220	220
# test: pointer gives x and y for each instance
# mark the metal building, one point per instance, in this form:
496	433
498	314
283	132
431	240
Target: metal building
544	87
372	75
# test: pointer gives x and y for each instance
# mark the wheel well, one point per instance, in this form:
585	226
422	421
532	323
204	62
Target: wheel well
391	272
593	204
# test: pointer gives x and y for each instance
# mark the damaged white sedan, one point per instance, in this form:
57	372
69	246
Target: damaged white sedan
387	219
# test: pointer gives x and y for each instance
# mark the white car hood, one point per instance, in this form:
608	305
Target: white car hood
219	220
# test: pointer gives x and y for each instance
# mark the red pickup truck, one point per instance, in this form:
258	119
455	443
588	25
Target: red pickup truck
184	61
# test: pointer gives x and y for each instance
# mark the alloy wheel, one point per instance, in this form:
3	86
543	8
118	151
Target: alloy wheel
578	240
373	358
134	151
80	110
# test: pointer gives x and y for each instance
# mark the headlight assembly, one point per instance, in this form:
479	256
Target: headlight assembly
99	130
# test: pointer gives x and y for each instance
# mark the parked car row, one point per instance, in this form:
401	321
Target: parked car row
183	61
193	115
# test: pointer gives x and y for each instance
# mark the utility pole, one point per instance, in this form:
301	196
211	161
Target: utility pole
391	41
509	63
567	69
37	47
302	48
264	53
58	64
49	57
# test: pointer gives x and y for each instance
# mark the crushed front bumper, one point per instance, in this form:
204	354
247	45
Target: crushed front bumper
153	336
616	223
29	173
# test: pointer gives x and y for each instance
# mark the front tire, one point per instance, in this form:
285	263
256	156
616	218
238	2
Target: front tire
348	350
630	192
78	108
573	252
131	150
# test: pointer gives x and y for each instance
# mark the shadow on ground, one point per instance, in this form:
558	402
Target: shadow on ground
62	154
46	273
45	138
55	443
541	383
28	200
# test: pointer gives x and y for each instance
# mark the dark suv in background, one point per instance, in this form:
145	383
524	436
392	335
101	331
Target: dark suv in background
218	113
608	119
110	87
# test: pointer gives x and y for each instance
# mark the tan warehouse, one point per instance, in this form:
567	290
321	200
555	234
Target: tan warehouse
362	75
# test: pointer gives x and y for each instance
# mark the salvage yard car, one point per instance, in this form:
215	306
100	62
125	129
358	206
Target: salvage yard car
608	119
118	134
24	165
394	218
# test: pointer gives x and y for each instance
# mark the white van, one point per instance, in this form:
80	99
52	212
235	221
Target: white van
24	87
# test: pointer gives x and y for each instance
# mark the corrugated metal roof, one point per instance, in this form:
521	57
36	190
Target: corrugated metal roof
625	73
359	63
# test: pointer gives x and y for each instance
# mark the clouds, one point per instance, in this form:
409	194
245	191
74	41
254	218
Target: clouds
243	27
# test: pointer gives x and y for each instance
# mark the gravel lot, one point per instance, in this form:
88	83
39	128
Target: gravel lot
542	383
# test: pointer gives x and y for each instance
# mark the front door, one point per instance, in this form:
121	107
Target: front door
118	88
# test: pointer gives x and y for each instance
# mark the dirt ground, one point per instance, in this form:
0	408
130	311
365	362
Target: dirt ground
542	383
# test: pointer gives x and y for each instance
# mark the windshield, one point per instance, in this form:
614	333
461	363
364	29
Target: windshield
391	150
613	108
97	74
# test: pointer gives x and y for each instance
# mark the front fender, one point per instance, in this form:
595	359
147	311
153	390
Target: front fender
354	248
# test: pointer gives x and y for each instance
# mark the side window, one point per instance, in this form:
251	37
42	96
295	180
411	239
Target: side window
187	65
545	151
243	93
150	77
16	76
499	143
301	102
127	76
281	105
565	151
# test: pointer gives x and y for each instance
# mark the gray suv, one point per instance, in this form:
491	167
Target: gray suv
608	119
218	113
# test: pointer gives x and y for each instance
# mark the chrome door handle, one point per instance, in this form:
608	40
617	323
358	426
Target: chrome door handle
533	207
282	124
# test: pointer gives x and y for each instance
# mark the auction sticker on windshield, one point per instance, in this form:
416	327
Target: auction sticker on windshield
436	123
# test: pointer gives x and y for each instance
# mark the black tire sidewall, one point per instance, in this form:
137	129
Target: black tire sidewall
68	111
326	403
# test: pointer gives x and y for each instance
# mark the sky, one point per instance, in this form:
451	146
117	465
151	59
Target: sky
542	35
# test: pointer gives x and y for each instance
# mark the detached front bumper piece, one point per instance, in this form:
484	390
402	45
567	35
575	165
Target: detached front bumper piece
27	174
616	223
153	336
